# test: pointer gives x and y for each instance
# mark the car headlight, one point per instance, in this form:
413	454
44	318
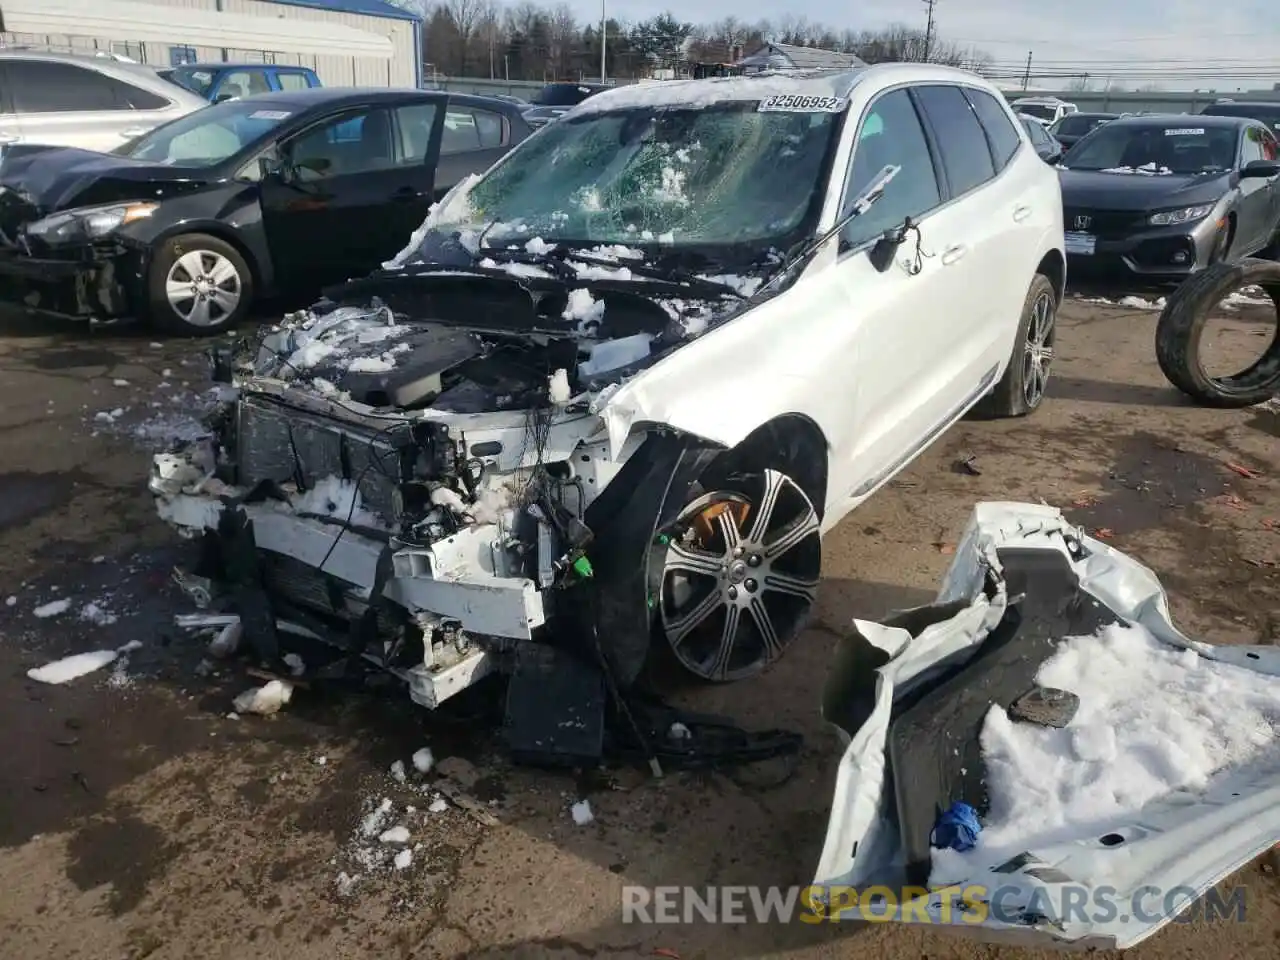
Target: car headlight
88	223
1167	218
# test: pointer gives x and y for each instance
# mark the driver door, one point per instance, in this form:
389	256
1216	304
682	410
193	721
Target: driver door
894	331
351	189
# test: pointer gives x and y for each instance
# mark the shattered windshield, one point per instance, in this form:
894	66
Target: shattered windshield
727	174
1168	148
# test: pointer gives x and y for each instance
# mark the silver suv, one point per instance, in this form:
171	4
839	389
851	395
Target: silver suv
73	100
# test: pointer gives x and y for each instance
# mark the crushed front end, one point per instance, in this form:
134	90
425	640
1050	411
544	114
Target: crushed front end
420	495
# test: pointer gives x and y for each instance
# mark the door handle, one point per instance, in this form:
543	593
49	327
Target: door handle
952	254
1021	213
133	132
407	193
8	138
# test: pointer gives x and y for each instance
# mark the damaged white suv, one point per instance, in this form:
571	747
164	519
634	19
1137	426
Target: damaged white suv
614	389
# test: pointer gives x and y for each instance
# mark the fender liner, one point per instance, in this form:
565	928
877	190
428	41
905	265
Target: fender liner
646	495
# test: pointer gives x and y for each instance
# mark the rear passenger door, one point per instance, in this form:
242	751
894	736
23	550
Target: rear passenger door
995	186
472	140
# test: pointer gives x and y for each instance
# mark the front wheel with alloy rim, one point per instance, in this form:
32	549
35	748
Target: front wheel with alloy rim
198	285
1022	388
740	575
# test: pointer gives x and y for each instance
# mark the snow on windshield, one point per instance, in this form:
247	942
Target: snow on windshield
1156	148
738	172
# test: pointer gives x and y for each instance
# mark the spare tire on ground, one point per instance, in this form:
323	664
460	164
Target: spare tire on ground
1181	327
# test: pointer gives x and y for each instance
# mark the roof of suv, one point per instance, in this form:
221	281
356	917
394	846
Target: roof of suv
802	83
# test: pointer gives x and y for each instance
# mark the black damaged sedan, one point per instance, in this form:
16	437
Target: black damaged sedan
1156	198
281	193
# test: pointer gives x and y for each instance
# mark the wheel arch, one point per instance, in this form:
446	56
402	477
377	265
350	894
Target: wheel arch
792	443
1054	266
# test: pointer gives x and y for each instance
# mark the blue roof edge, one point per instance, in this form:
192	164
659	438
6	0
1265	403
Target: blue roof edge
367	8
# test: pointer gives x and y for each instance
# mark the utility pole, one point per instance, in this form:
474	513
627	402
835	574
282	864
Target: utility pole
928	30
603	36
1026	76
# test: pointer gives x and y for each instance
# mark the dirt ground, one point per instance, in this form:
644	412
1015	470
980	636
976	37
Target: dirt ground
138	820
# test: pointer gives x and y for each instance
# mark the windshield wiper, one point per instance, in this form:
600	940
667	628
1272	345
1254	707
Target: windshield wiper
557	261
805	249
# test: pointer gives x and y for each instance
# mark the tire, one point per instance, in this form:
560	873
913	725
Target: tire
1181	327
740	569
1022	388
191	261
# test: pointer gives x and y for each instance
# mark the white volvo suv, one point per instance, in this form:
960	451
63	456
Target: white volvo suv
618	385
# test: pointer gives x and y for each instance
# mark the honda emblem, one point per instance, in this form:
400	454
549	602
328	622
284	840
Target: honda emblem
1082	223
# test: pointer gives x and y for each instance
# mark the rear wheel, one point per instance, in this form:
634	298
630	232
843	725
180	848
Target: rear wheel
1022	388
740	575
198	285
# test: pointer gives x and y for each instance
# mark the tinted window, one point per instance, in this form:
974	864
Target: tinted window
244	83
564	94
1074	125
1266	113
468	129
965	155
414	123
49	87
1035	131
995	120
891	135
293	81
330	149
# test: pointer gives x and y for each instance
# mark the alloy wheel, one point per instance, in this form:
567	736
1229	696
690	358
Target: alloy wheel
203	288
1038	351
740	576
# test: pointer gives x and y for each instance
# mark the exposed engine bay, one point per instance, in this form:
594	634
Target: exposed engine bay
431	492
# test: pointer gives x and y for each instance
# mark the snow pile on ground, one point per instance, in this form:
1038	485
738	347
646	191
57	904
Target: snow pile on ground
387	837
1248	297
1152	720
54	608
1137	303
176	413
78	665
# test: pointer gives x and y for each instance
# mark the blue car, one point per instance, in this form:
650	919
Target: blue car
229	81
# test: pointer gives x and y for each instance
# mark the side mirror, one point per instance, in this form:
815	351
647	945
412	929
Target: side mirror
269	168
223	98
1053	159
1260	170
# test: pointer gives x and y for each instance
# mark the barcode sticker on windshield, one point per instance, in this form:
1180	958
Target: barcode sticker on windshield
1185	132
270	115
792	103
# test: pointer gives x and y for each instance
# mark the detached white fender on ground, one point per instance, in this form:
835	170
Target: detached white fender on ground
1166	778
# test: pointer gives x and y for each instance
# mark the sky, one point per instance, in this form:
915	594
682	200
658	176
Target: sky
1175	44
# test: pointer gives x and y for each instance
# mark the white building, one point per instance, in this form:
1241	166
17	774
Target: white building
347	42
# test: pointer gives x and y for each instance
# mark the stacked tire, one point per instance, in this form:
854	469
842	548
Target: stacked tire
1182	326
